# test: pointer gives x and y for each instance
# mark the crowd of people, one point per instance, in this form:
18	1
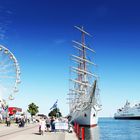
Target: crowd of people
49	124
20	121
45	124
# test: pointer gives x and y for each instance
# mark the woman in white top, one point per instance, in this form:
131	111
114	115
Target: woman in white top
42	126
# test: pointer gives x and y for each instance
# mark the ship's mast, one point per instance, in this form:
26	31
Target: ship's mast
81	84
82	54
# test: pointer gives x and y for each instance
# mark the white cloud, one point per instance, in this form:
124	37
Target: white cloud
4	21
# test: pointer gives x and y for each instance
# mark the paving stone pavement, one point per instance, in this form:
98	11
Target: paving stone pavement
30	132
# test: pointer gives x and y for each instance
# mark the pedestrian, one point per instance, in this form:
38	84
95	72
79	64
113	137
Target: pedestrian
42	126
1	118
8	121
17	120
22	122
52	123
48	124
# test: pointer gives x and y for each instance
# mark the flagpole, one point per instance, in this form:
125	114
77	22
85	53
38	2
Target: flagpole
57	111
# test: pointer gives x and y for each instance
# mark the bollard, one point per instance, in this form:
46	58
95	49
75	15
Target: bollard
75	127
83	133
78	130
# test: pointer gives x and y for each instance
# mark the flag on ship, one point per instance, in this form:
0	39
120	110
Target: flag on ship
54	105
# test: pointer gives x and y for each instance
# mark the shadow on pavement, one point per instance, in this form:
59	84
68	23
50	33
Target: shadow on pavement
36	133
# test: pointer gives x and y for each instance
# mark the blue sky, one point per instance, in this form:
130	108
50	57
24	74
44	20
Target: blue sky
39	33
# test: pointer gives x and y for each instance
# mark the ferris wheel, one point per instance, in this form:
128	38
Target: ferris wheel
9	74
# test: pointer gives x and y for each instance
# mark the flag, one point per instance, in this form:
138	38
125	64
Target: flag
54	105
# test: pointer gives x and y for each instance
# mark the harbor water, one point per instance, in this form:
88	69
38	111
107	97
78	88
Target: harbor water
111	129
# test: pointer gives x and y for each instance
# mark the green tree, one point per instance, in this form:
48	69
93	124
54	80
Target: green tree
33	109
14	111
55	112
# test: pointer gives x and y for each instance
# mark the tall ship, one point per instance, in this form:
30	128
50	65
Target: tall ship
84	100
128	112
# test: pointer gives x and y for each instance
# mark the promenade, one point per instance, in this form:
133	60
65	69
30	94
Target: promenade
30	132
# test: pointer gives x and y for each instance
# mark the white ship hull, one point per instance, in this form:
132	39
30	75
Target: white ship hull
87	117
132	114
83	88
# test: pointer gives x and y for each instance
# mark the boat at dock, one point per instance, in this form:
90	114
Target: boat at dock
128	112
84	100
